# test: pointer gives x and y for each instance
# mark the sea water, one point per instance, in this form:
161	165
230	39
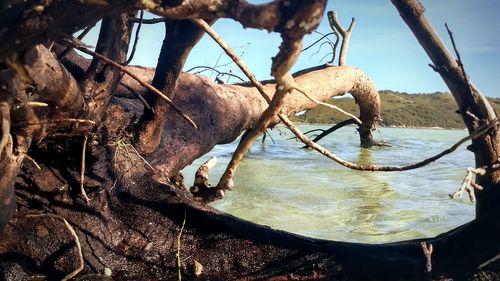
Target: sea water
283	186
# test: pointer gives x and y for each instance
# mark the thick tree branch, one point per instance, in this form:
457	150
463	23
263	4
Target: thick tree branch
224	111
100	80
180	38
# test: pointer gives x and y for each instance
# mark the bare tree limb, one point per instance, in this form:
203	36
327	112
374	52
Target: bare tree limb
337	27
136	39
149	21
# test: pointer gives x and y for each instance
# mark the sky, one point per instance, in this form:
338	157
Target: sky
381	44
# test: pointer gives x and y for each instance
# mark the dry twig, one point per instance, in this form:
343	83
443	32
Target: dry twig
82	171
219	73
179	248
490	112
32	161
136	39
56	121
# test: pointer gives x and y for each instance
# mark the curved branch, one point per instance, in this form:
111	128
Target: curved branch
224	111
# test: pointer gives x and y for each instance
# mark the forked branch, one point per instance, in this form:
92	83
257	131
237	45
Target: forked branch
337	27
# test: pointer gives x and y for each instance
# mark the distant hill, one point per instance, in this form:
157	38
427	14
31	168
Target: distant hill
399	109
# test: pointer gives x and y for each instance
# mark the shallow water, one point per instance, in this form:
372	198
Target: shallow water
298	190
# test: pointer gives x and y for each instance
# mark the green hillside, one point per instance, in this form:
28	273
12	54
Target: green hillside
399	109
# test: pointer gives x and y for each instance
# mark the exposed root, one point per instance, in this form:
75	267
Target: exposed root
330	130
77	242
179	248
427	249
80	47
136	39
201	189
32	161
57	121
82	171
5	119
468	185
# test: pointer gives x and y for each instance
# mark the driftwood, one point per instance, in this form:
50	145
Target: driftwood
138	225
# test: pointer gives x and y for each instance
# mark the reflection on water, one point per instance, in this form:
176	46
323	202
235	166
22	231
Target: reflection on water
286	187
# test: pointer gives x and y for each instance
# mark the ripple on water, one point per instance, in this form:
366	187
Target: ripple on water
298	190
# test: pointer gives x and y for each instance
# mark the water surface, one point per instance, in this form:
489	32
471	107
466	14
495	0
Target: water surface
298	190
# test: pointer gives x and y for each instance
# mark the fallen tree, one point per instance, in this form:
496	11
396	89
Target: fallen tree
65	137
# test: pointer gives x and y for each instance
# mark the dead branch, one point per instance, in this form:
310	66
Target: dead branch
136	39
149	21
427	250
82	171
332	129
144	84
337	27
468	184
361	167
219	73
201	189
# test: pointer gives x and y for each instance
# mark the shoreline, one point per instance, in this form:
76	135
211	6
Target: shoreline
393	126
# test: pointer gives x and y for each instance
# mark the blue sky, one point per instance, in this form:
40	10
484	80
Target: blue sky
381	44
